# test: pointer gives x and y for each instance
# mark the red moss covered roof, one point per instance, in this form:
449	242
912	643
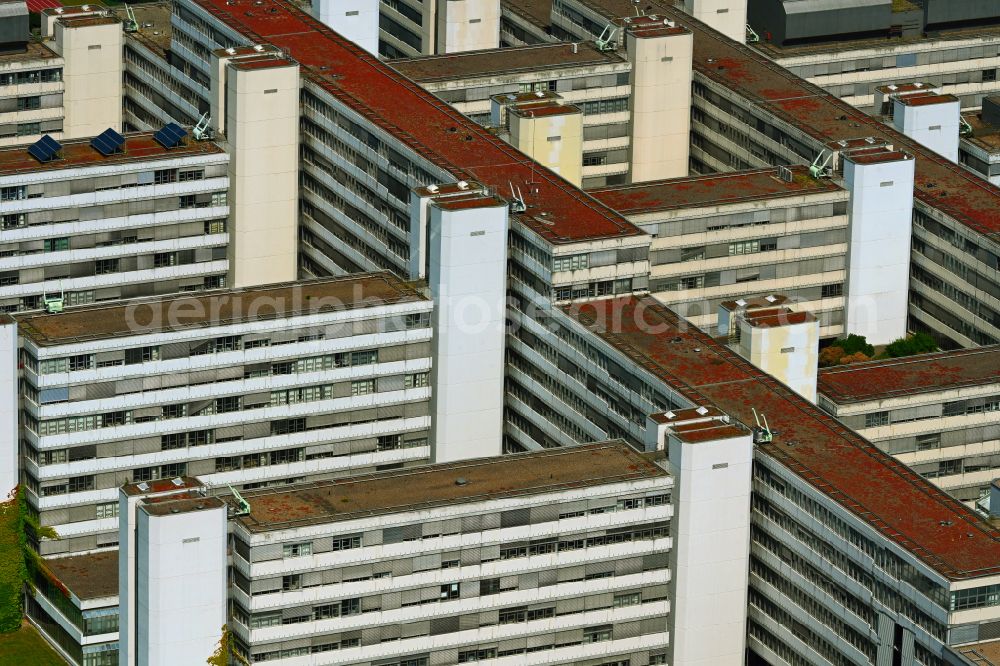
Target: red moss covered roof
926	373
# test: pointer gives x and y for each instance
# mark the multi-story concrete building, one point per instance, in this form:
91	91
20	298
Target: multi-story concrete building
850	50
245	387
938	413
720	237
979	146
550	557
31	87
75	606
87	226
828	540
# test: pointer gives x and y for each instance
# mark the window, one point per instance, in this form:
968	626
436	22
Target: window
363	387
225	344
164	176
296	549
571	262
195	174
389	442
13	220
106	266
989	75
219	198
188	201
142	355
416	380
597	634
215	226
466	656
55	244
80	483
346	543
81	362
162	259
876	419
489	586
928	441
450	591
630	599
173	470
291	582
744	247
229	404
14	193
831	290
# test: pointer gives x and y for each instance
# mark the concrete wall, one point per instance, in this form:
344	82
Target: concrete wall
8	405
727	16
555	141
467	25
181	593
92	77
660	105
951	11
467	276
262	126
788	353
935	126
711	548
878	258
787	21
357	20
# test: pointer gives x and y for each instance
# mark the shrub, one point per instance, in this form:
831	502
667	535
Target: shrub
919	343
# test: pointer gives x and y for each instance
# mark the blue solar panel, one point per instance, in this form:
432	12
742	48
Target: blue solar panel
108	143
44	149
170	136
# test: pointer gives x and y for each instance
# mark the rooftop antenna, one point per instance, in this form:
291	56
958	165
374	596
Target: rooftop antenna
761	433
201	131
53	304
606	42
965	129
819	168
242	506
752	36
130	24
517	204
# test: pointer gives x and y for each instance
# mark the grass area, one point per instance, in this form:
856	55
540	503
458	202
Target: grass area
26	646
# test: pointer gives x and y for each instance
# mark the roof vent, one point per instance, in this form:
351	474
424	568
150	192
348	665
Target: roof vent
433	189
85	8
461	481
231	51
175	510
463	185
539	93
740	302
178	481
701	411
143	486
918	85
892	86
670	415
257	47
770	299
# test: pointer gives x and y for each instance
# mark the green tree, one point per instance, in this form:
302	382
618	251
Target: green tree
919	343
18	560
854	343
221	655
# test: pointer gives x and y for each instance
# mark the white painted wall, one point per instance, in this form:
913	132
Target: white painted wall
468	282
935	126
711	548
357	20
727	16
467	25
262	125
181	592
8	405
880	213
660	122
92	76
789	353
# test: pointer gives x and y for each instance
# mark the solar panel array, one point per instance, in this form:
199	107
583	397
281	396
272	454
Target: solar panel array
108	143
170	136
44	149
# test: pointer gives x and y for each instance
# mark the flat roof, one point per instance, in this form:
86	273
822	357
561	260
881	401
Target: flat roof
33	51
416	118
162	485
926	99
896	501
711	190
491	62
529	110
429	486
143	316
746	72
154	25
986	653
896	377
90	576
78	153
984	135
838	43
167	506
